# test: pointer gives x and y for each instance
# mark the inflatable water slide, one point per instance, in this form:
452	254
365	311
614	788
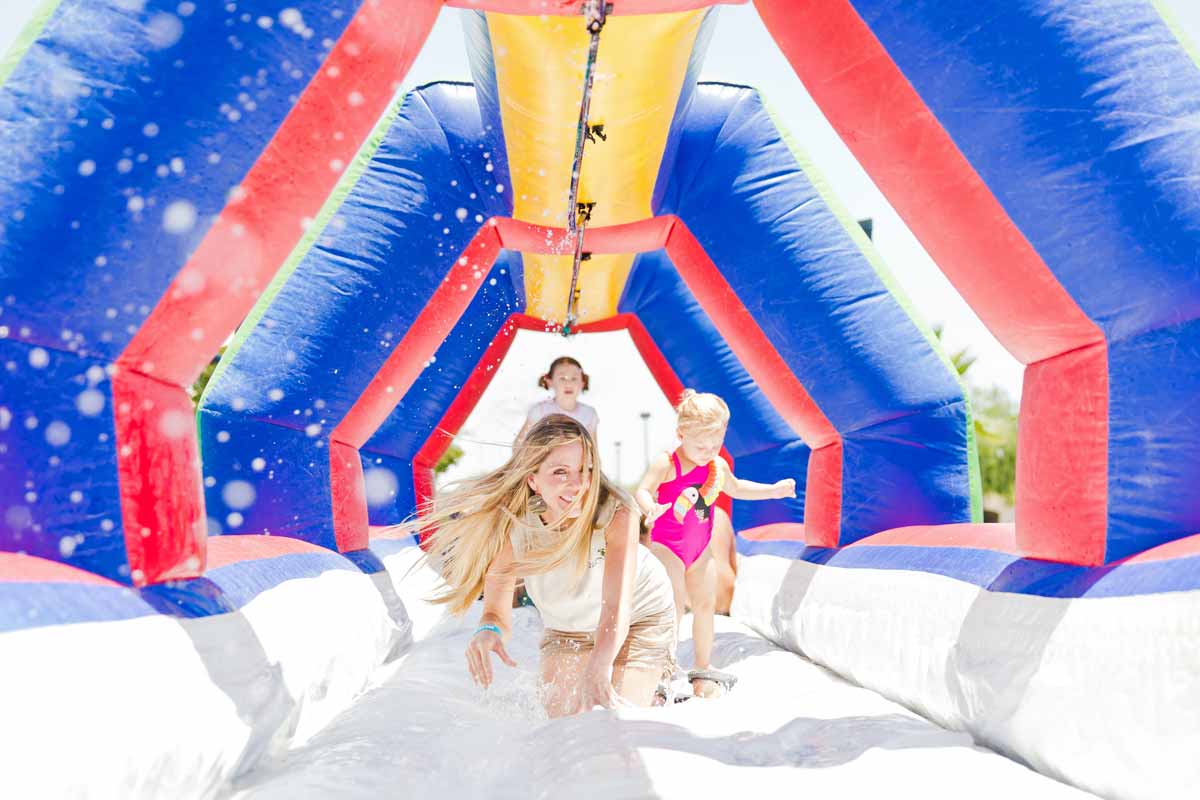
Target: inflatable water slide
187	591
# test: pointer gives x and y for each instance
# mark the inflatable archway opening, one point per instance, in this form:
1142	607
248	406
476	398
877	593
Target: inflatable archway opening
386	248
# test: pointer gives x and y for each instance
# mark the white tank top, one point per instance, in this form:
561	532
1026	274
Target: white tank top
583	413
572	604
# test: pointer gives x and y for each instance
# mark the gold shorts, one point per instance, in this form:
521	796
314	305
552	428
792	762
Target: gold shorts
650	643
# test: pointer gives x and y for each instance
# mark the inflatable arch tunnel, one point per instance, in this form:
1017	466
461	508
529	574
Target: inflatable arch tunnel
173	172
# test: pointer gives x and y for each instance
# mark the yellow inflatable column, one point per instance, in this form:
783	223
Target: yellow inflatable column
540	64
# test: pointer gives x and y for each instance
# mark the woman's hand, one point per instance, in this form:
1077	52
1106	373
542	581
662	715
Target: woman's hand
479	660
596	688
785	488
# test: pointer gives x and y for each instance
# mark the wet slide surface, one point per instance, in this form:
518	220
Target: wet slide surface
790	728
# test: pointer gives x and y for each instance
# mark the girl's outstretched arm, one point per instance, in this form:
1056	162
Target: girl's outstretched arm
645	495
498	586
616	605
741	489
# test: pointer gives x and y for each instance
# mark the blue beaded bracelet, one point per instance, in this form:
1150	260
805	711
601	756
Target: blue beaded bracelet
493	628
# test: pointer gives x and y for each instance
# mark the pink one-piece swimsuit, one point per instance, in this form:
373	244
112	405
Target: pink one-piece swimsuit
688	537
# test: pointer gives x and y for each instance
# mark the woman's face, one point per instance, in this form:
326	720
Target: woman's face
566	381
561	480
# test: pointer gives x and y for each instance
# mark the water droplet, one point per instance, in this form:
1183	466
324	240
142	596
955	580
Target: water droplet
239	495
381	486
18	517
174	424
179	217
164	30
58	433
89	402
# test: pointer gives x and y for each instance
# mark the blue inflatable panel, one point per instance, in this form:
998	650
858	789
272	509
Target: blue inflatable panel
391	494
795	267
1154	438
792	263
1080	119
59	496
349	301
909	461
37	605
262	477
421	408
117	112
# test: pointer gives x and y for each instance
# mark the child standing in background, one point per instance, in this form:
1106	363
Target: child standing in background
567	380
677	496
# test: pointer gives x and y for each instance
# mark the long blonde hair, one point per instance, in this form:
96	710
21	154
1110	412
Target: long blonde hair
468	525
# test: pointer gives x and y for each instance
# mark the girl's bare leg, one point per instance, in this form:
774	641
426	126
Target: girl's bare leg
724	550
636	684
701	580
560	681
675	573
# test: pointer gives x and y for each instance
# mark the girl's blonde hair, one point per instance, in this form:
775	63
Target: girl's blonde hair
468	525
701	411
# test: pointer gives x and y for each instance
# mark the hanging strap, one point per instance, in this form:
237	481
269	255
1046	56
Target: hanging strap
595	13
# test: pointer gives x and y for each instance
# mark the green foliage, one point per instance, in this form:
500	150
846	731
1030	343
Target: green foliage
962	359
453	453
197	388
996	438
995	430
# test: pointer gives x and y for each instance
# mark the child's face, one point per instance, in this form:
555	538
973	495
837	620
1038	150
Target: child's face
701	446
566	381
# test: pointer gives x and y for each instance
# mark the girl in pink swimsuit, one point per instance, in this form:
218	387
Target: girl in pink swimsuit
677	496
686	527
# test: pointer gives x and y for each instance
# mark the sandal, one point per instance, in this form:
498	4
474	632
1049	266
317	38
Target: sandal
723	679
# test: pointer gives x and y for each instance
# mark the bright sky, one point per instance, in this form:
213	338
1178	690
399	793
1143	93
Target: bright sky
741	52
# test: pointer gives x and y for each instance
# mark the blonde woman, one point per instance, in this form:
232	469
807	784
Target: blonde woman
550	517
